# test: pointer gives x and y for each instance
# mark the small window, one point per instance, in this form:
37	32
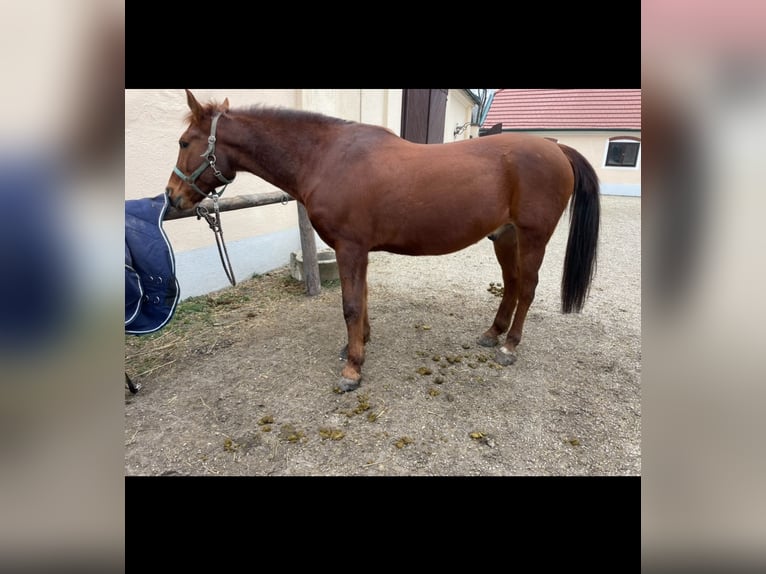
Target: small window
622	153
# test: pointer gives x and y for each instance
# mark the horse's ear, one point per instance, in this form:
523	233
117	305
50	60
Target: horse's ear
194	105
225	105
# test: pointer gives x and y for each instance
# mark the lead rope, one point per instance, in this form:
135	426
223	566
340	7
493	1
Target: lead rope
214	221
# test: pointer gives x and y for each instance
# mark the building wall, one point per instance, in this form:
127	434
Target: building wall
593	145
458	113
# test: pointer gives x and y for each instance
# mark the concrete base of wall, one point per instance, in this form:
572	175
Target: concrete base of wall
328	266
633	190
200	271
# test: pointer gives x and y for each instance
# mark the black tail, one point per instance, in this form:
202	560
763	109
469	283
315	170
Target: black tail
584	213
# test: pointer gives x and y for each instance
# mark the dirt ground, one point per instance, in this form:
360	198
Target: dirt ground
241	381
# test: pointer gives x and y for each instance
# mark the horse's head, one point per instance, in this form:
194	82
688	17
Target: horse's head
202	165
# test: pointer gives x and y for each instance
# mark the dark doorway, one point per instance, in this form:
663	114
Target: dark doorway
423	115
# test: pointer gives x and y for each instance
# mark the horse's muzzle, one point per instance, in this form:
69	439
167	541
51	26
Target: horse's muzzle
174	201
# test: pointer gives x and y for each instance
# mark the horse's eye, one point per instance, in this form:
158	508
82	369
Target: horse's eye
183	144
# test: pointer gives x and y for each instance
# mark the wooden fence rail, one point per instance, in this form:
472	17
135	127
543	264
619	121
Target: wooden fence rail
231	203
308	245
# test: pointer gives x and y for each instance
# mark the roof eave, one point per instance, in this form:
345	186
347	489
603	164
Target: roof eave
476	99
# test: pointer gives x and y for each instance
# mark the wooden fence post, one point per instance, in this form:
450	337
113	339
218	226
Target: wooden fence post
309	250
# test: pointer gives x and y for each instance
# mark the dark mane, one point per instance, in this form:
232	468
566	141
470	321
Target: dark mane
278	113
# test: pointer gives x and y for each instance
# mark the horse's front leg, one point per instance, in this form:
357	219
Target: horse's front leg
343	355
352	268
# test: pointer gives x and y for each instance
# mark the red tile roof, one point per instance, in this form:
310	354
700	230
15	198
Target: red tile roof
565	109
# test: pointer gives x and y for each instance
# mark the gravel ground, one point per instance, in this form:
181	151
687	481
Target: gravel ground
246	387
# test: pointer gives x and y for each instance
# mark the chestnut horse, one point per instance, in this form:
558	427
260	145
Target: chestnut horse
366	189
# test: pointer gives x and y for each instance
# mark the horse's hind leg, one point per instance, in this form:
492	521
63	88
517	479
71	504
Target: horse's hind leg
532	251
507	253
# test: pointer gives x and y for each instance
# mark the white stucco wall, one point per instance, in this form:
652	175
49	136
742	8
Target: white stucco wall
458	113
593	145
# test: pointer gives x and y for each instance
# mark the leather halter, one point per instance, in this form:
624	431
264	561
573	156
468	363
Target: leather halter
214	221
209	156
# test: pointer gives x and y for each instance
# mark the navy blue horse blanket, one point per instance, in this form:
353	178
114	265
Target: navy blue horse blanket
151	288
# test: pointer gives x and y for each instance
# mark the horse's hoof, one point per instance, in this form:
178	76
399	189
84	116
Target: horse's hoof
505	357
487	341
347	385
